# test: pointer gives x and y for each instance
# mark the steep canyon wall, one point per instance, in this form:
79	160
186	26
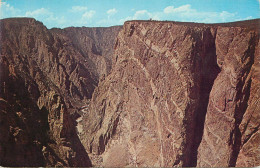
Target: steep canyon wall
45	78
179	94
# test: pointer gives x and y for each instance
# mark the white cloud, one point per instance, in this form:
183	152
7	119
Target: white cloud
187	13
85	19
109	20
121	21
61	21
168	9
183	13
141	15
224	15
6	10
46	16
246	18
112	11
84	15
88	14
184	8
78	9
38	12
49	18
249	17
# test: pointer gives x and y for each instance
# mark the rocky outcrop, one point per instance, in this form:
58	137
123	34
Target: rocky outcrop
44	80
165	78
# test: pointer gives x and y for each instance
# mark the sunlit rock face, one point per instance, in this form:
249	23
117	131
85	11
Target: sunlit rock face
232	121
149	93
179	94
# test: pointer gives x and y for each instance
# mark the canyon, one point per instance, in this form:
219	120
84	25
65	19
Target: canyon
148	94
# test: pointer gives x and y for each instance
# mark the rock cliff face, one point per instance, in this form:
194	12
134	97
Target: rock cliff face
165	78
232	121
156	94
95	44
45	78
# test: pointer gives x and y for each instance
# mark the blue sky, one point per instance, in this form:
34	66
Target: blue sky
96	13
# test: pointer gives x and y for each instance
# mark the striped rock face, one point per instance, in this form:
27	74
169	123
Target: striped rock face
166	77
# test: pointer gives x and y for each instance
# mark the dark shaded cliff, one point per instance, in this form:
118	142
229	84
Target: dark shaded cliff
95	44
156	94
44	80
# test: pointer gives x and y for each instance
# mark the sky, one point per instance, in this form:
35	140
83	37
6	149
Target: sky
103	13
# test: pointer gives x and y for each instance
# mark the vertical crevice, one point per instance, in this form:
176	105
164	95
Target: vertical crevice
209	73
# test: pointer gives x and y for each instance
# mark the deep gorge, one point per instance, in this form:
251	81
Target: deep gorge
148	93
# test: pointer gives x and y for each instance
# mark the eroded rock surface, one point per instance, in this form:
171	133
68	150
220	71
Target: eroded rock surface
95	44
228	126
165	78
45	78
